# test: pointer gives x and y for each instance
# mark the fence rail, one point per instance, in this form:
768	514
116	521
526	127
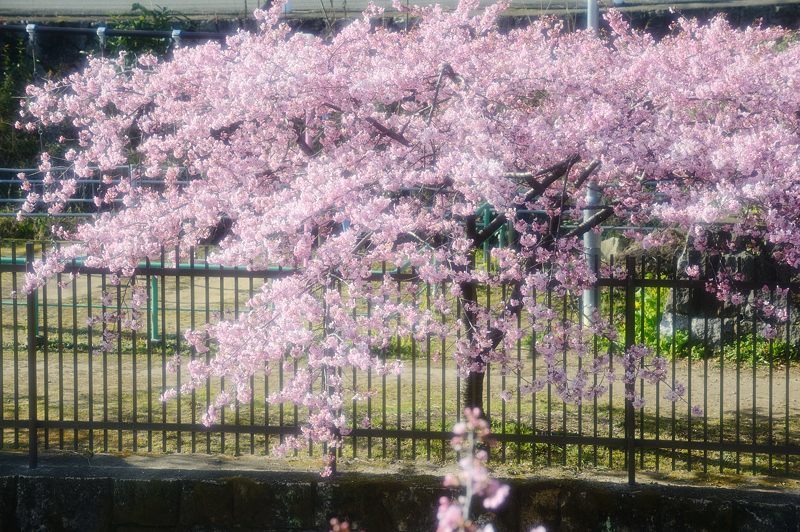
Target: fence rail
59	392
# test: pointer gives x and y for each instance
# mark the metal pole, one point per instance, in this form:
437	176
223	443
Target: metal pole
591	249
101	37
33	443
592	15
591	240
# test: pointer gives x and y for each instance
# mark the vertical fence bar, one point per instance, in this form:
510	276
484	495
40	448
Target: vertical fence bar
149	346
42	336
659	316
611	350
90	359
177	354
15	322
153	308
33	444
74	360
630	384
60	318
161	309
236	420
104	350
134	385
192	351
119	364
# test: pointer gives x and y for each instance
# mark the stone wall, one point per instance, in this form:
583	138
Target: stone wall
93	498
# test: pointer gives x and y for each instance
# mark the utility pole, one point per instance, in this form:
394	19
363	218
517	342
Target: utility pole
591	248
592	15
591	239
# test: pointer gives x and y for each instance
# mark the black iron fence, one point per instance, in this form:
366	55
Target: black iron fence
59	392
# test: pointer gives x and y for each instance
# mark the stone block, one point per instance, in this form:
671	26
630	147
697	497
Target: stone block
146	502
64	504
755	517
206	503
272	505
8	503
378	503
583	507
539	504
696	514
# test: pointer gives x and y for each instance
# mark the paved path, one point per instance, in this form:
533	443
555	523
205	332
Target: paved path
313	8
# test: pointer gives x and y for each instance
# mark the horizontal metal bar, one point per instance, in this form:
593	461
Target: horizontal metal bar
71	200
111	32
201	270
82	181
555	439
156	426
691	283
46	215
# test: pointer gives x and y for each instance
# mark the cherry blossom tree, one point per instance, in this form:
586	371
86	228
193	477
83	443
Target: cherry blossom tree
364	158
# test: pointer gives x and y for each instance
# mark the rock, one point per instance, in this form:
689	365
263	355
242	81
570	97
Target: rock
708	331
612	247
592	507
638	509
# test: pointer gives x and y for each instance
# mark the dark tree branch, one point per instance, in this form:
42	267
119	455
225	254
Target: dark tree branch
537	189
489	230
299	129
226	131
560	167
554	173
448	71
392	134
599	217
588	171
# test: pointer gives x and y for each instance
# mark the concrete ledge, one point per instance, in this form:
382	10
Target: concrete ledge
76	494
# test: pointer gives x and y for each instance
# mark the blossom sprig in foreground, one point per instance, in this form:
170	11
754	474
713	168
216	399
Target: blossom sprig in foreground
470	437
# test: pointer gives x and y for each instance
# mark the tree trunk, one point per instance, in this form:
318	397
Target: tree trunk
472	390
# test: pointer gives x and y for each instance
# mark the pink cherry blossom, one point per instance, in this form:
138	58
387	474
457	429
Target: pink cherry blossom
351	158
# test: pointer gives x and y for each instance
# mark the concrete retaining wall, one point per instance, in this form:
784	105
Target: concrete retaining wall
93	498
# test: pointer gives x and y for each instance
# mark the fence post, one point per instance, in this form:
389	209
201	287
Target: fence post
630	387
33	443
